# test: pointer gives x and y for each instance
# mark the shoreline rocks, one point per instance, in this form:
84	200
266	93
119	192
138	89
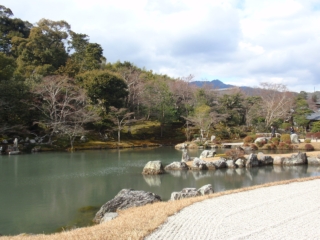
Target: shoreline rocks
126	198
153	168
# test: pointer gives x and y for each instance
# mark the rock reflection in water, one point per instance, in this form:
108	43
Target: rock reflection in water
152	180
202	174
179	173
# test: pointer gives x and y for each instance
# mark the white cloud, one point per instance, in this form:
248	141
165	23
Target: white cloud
237	41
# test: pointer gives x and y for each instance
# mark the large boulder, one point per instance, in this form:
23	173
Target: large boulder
264	160
278	160
192	192
153	167
240	163
296	159
294	138
185	157
126	198
230	164
221	163
252	161
313	161
199	164
207	154
176	166
261	139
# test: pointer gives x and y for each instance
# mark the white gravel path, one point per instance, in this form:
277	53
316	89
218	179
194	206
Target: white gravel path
290	211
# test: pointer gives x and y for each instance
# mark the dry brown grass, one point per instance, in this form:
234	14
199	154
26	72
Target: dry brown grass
136	223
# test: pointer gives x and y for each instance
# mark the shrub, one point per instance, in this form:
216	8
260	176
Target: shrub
308	147
315	128
249	139
284	145
235	154
307	140
285	138
270	146
260	143
254	146
275	141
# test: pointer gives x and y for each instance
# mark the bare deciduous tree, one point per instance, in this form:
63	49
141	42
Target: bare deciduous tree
276	102
63	105
120	117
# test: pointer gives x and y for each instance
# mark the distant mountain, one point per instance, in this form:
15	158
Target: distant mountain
215	84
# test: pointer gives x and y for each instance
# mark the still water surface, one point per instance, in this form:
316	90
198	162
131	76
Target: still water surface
41	193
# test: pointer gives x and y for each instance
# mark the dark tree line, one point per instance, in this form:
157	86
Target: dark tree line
54	81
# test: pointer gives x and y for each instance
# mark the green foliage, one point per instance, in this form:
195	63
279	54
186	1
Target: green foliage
9	28
285	138
275	141
104	87
307	140
7	67
315	127
43	47
308	147
13	107
233	106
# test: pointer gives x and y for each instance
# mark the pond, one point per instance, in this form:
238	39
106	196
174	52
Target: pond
48	192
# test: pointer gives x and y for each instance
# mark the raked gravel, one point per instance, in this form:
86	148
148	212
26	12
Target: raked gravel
290	211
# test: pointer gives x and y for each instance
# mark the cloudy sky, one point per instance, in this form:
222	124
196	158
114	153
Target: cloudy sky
240	42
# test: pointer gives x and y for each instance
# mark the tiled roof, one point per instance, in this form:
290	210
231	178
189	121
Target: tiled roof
314	116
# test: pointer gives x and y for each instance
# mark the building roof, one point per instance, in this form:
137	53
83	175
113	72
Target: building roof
314	116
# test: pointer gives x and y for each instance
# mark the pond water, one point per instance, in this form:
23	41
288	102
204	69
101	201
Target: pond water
47	192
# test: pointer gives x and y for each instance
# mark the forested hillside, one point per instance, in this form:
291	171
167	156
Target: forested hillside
56	84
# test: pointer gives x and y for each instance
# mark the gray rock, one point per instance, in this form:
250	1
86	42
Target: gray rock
83	139
199	164
240	163
207	154
108	217
221	163
4	141
185	157
278	160
294	138
192	192
185	193
32	141
211	166
260	156
176	166
153	167
230	164
264	160
252	161
126	198
313	161
296	159
206	189
261	139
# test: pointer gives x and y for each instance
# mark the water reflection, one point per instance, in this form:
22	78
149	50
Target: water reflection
42	192
152	180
